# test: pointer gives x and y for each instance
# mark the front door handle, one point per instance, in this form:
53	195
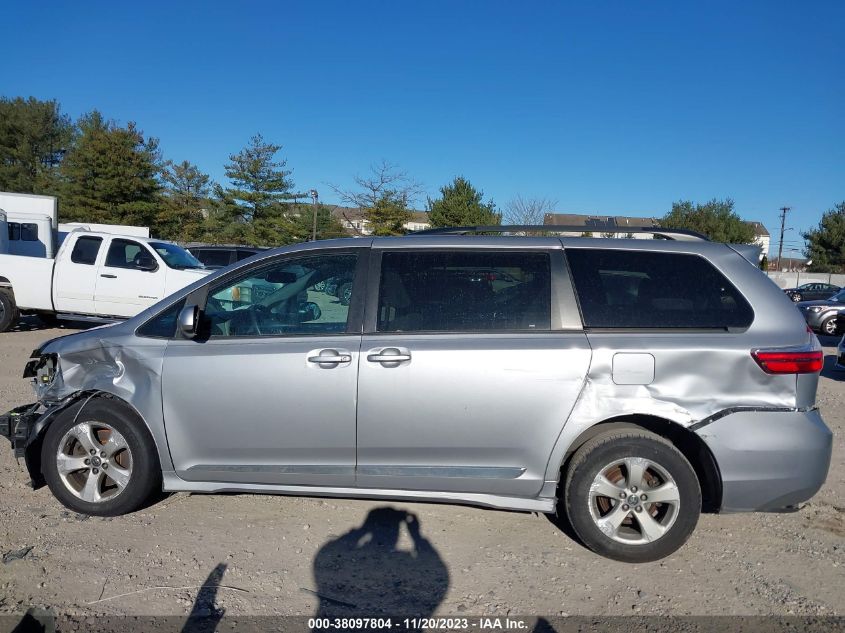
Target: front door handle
109	276
330	357
389	355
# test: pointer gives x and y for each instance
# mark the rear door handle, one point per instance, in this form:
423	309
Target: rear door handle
109	276
389	355
329	357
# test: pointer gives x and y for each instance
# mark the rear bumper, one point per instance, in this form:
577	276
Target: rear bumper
769	460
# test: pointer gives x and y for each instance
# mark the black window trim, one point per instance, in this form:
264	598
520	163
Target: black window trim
356	308
659	330
562	293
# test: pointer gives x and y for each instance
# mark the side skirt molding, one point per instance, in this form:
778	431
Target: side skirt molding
171	482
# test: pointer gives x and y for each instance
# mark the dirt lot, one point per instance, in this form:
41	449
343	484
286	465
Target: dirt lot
276	555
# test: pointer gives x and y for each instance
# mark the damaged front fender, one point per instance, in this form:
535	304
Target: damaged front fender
109	362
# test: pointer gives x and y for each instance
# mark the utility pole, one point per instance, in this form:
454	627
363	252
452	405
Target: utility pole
313	193
783	212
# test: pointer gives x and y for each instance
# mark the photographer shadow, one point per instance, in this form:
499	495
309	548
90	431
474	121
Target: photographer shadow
368	571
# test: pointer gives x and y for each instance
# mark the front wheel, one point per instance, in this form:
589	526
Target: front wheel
829	326
99	460
631	496
796	297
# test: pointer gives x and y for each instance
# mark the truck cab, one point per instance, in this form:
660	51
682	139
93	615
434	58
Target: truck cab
95	276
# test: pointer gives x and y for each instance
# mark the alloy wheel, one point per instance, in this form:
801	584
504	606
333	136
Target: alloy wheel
94	461
634	500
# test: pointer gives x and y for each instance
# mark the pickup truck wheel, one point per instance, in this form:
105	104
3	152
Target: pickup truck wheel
9	315
98	460
631	496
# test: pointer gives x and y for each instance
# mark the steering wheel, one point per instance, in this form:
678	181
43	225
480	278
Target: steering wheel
253	309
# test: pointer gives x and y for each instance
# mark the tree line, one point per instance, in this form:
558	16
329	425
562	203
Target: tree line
109	173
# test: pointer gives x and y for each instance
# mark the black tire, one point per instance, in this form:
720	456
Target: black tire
829	326
593	457
344	293
9	315
145	478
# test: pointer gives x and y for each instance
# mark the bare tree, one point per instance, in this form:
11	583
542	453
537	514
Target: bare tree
385	181
527	210
385	196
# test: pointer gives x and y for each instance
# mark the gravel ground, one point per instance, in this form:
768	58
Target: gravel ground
289	555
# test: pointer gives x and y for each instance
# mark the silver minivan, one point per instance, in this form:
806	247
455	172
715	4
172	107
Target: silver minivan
624	385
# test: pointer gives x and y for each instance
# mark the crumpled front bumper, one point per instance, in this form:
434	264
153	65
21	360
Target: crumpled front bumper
17	424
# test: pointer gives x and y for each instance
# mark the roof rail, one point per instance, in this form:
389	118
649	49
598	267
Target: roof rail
658	231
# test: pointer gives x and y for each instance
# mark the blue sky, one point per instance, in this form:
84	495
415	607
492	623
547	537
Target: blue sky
614	108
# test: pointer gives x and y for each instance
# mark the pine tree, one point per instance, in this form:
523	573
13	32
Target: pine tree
34	136
110	175
254	210
461	204
184	202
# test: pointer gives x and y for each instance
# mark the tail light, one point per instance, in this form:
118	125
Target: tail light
789	362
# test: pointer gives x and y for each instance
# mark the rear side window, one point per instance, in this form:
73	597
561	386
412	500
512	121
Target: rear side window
29	232
462	291
14	231
85	250
242	255
641	289
213	257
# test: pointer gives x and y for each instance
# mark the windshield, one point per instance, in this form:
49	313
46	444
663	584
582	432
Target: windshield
176	256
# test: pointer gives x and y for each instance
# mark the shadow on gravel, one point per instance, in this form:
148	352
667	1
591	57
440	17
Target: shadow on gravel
34	324
205	615
370	571
829	371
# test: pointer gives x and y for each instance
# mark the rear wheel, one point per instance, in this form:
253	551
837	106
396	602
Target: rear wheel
829	326
796	297
631	496
8	311
98	460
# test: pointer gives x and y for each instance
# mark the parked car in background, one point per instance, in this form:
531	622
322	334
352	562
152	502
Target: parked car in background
824	316
811	291
220	256
627	385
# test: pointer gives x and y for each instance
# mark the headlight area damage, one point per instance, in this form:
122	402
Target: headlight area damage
65	377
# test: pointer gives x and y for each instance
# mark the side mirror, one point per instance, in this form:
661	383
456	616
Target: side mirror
188	321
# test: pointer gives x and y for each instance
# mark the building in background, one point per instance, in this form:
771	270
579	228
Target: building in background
354	221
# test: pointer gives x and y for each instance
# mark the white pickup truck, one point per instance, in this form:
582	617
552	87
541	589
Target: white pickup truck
94	276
